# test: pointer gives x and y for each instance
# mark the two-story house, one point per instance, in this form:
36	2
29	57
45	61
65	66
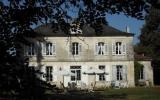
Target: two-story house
85	58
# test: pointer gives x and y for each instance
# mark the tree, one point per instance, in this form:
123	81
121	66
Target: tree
150	39
17	18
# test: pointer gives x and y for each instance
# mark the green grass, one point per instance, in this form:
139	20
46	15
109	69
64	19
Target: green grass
132	94
111	94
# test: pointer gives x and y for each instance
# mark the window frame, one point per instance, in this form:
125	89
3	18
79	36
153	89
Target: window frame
49	73
77	71
102	76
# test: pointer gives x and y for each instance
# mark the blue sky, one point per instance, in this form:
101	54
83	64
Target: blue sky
121	21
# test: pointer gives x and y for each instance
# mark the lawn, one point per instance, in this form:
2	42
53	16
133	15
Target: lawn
132	94
112	94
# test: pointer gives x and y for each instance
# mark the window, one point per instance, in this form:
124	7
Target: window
118	48
119	72
77	73
48	49
141	73
102	76
49	76
76	48
101	48
30	50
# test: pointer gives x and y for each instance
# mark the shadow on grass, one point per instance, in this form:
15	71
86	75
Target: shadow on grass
86	96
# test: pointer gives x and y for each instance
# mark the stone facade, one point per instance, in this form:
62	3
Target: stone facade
119	65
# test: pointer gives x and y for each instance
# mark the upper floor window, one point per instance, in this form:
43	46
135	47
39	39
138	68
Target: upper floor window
76	48
48	49
118	48
30	50
102	76
101	48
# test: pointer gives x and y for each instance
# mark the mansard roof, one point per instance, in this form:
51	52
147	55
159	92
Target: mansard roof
87	31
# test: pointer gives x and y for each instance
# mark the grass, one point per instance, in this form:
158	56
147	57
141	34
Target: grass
112	94
132	94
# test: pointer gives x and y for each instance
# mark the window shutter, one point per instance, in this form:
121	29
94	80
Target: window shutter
113	49
123	48
26	50
124	73
114	73
96	49
43	48
106	49
145	73
70	49
54	48
80	48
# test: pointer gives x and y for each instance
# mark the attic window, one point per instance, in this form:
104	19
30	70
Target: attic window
75	29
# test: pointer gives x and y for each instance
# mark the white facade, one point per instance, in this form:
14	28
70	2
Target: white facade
78	55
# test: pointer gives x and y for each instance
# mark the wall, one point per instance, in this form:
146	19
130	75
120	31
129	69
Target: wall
148	71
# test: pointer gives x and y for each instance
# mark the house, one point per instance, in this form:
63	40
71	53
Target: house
85	59
146	72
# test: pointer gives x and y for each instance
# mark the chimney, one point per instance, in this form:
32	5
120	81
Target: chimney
127	29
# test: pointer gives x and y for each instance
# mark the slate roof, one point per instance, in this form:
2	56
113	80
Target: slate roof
87	31
142	57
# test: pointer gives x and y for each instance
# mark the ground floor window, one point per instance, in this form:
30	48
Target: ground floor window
102	76
141	73
119	72
49	76
77	73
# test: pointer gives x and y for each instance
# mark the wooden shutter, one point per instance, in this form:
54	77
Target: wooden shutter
79	48
124	48
70	49
113	49
54	48
124	72
145	73
43	45
114	73
96	49
106	49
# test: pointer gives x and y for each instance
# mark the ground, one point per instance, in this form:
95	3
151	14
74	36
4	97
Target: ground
140	93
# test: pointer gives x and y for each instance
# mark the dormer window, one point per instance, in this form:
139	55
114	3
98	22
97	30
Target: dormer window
75	29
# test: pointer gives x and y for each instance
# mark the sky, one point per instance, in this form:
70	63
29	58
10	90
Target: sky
121	21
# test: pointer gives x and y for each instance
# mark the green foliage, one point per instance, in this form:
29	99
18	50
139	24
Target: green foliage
150	40
137	68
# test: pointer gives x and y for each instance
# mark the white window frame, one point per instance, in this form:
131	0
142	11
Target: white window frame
49	72
51	49
142	74
75	48
75	71
32	50
102	76
119	73
118	48
101	48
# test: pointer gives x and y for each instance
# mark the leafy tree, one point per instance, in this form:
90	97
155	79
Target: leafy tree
17	18
150	39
